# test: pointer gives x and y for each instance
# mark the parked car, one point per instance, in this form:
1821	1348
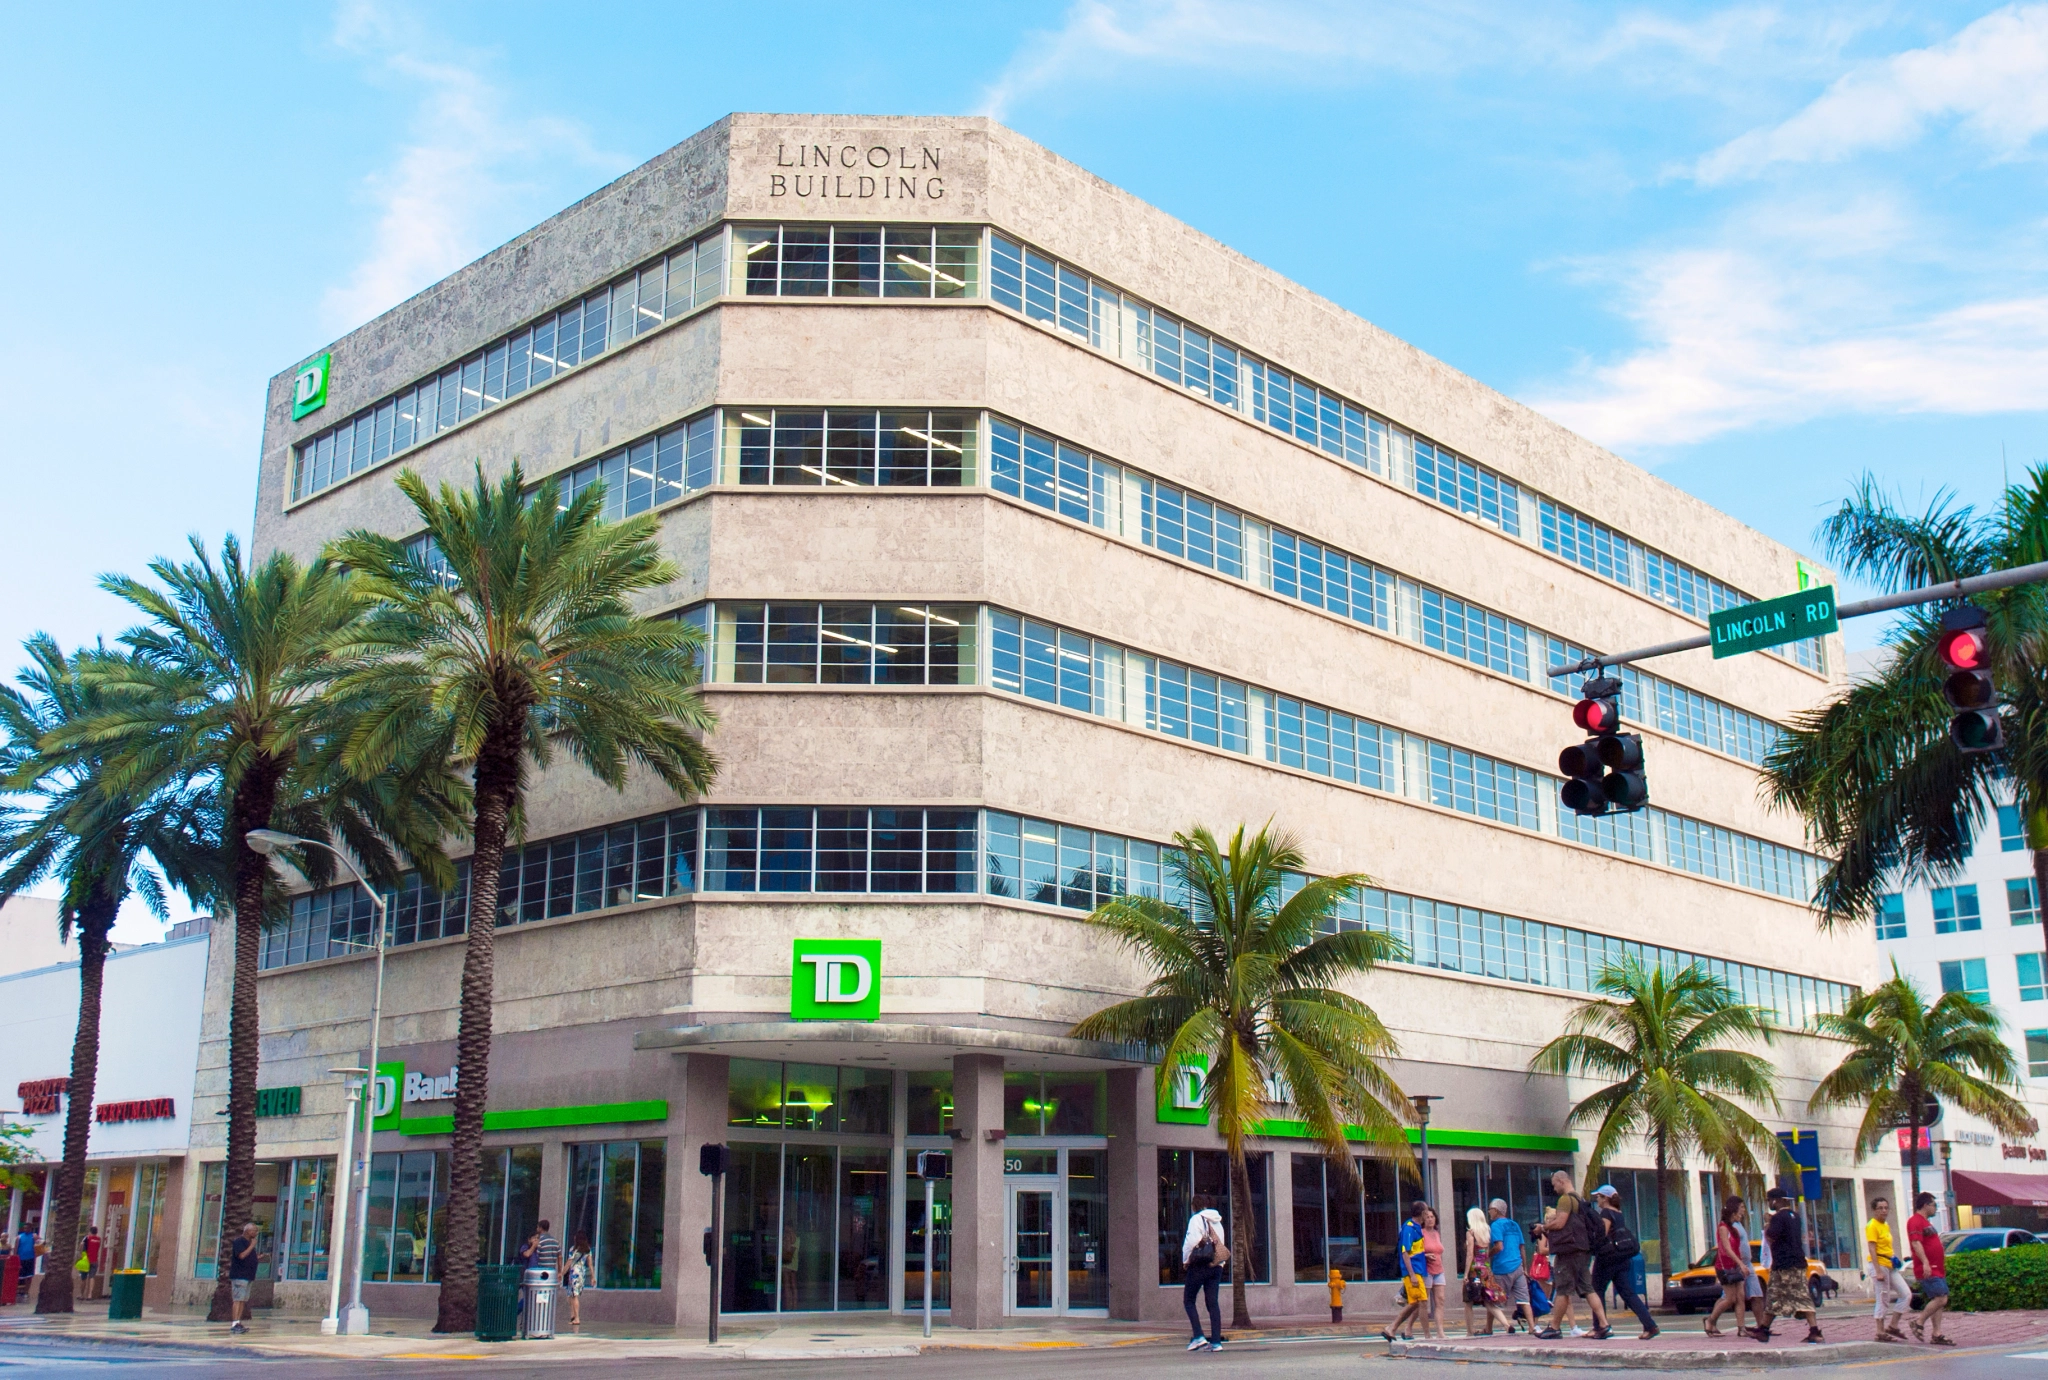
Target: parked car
1986	1239
1692	1289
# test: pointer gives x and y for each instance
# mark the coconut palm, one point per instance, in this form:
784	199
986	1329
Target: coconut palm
1245	978
511	630
1873	773
1660	1039
1903	1051
60	822
225	687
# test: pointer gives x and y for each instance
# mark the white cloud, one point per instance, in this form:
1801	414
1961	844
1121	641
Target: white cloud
449	192
1992	77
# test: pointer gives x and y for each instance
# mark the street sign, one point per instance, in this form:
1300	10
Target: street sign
1804	1148
1773	622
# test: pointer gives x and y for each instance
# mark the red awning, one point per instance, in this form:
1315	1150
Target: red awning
1981	1188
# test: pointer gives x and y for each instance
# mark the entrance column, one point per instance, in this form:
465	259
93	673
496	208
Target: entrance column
1133	1194
704	1118
978	1245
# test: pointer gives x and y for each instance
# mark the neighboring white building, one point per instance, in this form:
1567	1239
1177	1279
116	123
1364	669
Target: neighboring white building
28	935
149	1046
1982	934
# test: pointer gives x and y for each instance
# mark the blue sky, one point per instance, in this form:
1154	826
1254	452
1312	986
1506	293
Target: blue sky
1759	249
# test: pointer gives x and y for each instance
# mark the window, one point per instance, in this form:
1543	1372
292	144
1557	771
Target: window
851	449
1955	909
409	1210
1055	1104
1965	975
876	261
661	290
650	472
845	644
1187	1177
840	849
765	1095
2012	835
2030	976
1891	917
1355	1231
293	1209
615	1204
2037	1054
2020	901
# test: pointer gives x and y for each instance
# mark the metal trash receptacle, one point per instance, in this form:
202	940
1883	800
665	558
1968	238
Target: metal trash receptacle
537	1311
125	1297
497	1303
1639	1275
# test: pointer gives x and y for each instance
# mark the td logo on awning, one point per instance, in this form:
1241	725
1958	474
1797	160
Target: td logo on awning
836	980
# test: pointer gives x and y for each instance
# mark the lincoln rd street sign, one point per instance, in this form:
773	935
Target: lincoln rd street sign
1773	622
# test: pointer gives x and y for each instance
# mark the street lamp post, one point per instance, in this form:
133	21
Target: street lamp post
1948	1176
1421	1103
355	1319
338	1237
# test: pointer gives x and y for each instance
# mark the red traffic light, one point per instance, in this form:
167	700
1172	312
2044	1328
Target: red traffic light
1965	649
1596	716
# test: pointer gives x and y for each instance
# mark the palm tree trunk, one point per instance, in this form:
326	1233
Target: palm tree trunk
497	789
1242	1229
94	921
2040	890
255	796
1664	1216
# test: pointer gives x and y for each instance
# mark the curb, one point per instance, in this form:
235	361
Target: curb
20	1336
1586	1358
820	1353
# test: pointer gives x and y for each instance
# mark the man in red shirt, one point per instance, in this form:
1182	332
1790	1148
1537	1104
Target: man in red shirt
1930	1265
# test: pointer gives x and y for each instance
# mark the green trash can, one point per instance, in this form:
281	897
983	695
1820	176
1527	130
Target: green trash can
497	1302
125	1299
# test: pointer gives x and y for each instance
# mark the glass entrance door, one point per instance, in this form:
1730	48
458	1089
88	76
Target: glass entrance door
1035	1271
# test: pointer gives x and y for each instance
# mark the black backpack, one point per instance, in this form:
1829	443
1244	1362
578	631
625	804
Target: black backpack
1619	1243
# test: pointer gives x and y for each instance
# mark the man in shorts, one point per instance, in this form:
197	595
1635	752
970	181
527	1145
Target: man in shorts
1510	1272
1930	1266
242	1259
1571	1262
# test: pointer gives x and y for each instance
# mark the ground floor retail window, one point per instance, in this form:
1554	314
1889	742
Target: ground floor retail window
293	1209
409	1210
125	1201
1524	1187
1715	1189
1353	1229
616	1191
1831	1225
806	1229
1639	1207
1191	1177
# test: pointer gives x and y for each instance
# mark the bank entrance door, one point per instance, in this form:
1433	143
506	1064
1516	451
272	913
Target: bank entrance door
1035	1245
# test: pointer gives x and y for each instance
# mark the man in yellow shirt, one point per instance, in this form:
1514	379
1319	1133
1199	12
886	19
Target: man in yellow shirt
1887	1285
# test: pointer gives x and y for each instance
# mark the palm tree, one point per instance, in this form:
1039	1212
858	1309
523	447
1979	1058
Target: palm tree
1903	1051
1246	976
101	845
1881	788
511	631
1659	1038
225	688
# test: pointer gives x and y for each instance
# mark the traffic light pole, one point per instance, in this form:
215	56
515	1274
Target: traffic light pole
1883	603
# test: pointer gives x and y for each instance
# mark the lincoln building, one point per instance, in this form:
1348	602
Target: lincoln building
1026	526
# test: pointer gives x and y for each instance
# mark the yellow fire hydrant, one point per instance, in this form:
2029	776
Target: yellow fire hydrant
1336	1296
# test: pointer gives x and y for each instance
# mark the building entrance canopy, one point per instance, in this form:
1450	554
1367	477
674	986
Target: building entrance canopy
1984	1188
891	1046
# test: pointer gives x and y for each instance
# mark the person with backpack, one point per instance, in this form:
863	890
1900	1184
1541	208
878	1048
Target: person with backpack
1539	1276
1204	1253
1573	1226
1414	1273
1614	1258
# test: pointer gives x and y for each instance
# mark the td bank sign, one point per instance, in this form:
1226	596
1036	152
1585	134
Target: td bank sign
836	980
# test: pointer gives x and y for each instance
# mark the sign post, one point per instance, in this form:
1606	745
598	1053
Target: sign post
712	1162
1774	622
932	1165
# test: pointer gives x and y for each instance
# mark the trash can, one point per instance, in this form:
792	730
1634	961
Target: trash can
537	1313
1639	1276
497	1303
125	1298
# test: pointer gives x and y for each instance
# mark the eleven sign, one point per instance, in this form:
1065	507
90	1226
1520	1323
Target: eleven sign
836	980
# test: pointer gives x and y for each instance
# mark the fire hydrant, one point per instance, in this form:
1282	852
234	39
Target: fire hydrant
1336	1296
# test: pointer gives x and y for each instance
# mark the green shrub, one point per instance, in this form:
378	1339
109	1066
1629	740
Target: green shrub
1988	1281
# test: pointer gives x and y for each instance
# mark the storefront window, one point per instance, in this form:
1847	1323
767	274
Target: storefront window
409	1210
808	1097
1055	1104
1525	1188
293	1208
510	1194
1638	1189
1087	1228
1188	1176
615	1201
1831	1225
1336	1227
931	1103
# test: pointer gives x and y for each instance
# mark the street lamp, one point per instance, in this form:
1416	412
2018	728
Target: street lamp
1948	1174
1421	1103
338	1238
355	1320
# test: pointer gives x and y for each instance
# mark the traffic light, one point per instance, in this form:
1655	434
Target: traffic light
1606	771
1965	648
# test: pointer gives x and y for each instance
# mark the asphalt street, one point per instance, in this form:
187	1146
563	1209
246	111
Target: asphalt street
1310	1360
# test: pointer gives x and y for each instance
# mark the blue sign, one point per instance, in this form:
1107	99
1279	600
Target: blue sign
1804	1148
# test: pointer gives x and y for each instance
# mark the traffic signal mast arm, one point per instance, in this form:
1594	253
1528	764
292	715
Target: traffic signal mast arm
1883	603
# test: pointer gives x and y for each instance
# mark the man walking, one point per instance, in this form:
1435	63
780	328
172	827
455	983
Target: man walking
1571	1261
242	1260
547	1252
1930	1266
27	1250
1510	1271
1614	1258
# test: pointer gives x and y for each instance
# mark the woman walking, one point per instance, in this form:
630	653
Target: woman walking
1414	1274
575	1277
1887	1282
1203	1254
1733	1271
1479	1289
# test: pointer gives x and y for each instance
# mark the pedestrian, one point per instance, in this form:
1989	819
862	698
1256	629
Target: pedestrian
1930	1267
547	1252
1414	1274
1614	1258
243	1257
1733	1270
577	1279
1539	1276
1788	1296
89	1263
1887	1282
1203	1254
1481	1290
1433	1270
30	1249
1510	1274
1571	1243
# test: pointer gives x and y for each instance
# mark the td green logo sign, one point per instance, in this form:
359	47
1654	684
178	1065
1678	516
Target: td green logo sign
836	980
309	387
